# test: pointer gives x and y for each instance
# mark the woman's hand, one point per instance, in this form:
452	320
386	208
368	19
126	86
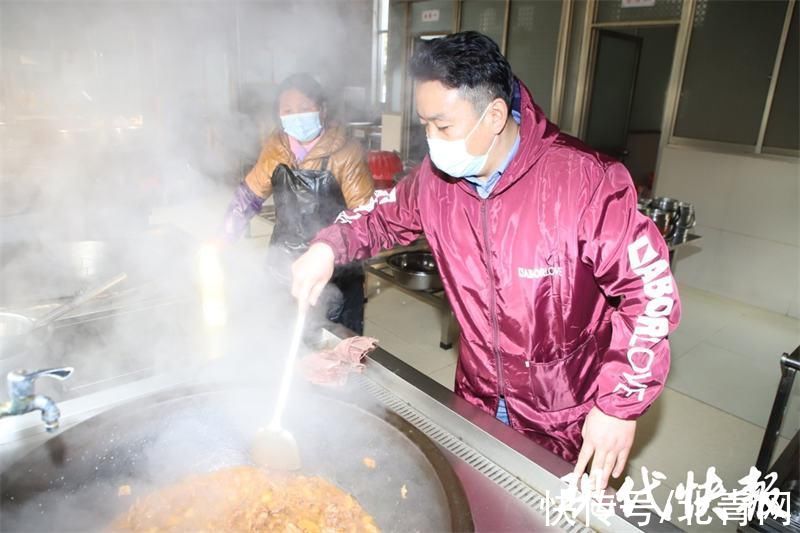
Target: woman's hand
608	439
311	272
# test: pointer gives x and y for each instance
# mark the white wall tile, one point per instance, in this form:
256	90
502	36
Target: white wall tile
748	211
755	196
765	206
687	175
754	271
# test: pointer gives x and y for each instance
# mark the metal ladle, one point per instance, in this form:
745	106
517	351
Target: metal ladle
275	447
16	330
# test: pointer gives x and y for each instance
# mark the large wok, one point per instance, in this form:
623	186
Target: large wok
72	482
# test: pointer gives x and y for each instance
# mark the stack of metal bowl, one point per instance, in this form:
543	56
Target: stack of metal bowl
672	217
684	221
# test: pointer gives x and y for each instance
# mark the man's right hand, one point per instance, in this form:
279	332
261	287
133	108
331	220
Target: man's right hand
311	272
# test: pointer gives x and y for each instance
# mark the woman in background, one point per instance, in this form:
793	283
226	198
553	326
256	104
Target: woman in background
313	171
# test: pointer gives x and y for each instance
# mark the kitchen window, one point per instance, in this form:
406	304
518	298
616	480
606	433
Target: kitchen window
531	34
380	49
739	85
783	125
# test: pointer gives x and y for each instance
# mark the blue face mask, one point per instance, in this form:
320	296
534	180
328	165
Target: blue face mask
304	127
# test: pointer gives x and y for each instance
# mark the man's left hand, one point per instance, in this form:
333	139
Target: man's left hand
607	440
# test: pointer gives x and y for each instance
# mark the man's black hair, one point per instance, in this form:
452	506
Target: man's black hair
304	83
468	61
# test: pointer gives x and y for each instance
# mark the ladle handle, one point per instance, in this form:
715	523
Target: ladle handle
288	371
80	299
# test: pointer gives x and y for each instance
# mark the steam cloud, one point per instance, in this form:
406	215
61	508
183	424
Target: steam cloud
120	120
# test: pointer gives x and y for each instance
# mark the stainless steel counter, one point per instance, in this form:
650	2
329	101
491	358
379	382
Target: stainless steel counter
505	474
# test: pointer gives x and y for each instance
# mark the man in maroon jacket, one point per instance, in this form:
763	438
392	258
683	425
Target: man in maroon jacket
562	289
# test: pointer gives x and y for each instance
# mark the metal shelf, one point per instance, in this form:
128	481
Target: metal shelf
378	267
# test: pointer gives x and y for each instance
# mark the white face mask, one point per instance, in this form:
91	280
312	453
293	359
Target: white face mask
452	157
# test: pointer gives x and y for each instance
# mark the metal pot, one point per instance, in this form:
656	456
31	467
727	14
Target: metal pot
679	235
415	270
74	478
666	204
685	217
664	220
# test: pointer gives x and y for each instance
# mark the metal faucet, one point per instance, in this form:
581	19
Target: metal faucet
23	400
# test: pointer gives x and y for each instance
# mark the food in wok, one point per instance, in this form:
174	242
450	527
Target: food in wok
247	499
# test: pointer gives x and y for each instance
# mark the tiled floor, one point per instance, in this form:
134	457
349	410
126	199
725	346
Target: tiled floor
410	330
718	397
726	355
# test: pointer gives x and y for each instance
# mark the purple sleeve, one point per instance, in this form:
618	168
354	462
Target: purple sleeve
389	218
244	206
630	261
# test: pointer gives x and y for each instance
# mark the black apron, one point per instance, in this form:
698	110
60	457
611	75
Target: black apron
307	201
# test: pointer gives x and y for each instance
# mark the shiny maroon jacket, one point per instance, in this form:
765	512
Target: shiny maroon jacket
562	289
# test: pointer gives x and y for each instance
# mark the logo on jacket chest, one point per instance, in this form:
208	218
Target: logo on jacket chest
540	272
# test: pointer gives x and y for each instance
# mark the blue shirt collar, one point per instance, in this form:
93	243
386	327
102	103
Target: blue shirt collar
484	187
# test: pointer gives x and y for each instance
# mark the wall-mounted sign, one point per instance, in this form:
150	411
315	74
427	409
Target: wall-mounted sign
430	15
638	3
